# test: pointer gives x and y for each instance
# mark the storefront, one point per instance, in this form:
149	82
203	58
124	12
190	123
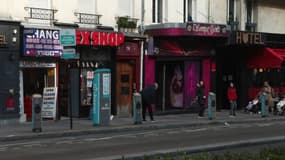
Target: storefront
128	69
179	56
9	68
96	49
250	59
39	69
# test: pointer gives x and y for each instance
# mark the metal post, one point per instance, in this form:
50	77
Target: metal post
163	89
263	106
69	100
209	107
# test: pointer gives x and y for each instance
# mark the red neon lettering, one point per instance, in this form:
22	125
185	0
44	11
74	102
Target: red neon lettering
120	39
95	38
103	38
78	37
85	38
112	39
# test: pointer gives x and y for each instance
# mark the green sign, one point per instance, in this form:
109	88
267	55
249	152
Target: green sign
67	37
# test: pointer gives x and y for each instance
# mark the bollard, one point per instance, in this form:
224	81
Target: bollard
137	108
211	105
263	105
36	112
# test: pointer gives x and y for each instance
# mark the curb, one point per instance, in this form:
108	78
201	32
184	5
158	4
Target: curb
202	148
69	133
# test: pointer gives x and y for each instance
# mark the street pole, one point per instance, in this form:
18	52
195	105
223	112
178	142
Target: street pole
142	17
69	99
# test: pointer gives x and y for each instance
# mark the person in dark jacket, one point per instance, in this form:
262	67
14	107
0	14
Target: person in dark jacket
201	97
148	98
232	97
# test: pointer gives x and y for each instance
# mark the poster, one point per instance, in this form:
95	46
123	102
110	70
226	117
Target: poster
49	102
177	87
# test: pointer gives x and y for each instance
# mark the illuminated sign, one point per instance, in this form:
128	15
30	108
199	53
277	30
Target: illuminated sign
42	42
99	38
3	40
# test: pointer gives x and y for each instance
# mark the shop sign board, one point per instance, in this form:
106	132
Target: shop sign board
42	42
49	102
67	37
36	64
252	38
95	38
206	29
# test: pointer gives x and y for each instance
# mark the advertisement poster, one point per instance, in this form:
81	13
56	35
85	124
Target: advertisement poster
49	102
42	42
106	84
177	87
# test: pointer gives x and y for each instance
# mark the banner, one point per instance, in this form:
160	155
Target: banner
49	102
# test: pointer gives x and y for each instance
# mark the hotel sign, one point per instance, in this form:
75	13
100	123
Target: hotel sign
3	41
248	38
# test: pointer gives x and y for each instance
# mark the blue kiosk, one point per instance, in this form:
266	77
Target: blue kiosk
101	97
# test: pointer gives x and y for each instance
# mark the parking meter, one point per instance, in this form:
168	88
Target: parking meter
137	108
211	105
36	112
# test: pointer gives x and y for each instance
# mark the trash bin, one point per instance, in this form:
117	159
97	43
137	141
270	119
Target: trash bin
211	105
37	113
137	108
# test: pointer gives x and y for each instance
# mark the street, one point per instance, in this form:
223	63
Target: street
110	146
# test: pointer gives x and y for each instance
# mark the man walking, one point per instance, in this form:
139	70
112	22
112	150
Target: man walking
148	98
201	97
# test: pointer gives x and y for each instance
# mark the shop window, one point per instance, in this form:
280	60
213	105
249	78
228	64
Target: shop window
86	87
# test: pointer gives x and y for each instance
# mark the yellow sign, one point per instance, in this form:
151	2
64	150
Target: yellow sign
3	40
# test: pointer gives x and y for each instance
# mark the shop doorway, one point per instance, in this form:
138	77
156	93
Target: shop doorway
125	81
34	82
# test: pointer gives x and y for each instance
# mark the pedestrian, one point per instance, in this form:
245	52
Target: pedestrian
148	98
232	97
201	98
269	100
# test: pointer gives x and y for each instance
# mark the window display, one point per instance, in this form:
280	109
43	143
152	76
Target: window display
86	86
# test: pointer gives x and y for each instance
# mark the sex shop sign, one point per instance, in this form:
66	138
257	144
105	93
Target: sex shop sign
41	42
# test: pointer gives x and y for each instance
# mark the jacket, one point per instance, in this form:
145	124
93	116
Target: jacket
148	94
232	94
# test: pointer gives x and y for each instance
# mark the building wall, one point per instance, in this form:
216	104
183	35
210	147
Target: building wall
271	16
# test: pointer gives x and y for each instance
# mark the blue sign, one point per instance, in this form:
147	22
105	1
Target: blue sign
42	42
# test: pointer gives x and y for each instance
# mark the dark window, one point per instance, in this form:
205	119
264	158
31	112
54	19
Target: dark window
159	11
153	11
125	78
231	10
187	9
125	90
189	16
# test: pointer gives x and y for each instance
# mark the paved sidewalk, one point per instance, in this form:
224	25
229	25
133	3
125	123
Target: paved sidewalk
13	130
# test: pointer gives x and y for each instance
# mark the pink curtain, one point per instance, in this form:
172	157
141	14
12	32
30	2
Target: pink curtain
207	75
192	77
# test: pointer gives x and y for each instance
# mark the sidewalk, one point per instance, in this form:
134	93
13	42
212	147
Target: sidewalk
13	130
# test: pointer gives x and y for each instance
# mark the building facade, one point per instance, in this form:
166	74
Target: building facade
163	24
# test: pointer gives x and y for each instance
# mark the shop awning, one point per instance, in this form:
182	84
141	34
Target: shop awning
267	58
